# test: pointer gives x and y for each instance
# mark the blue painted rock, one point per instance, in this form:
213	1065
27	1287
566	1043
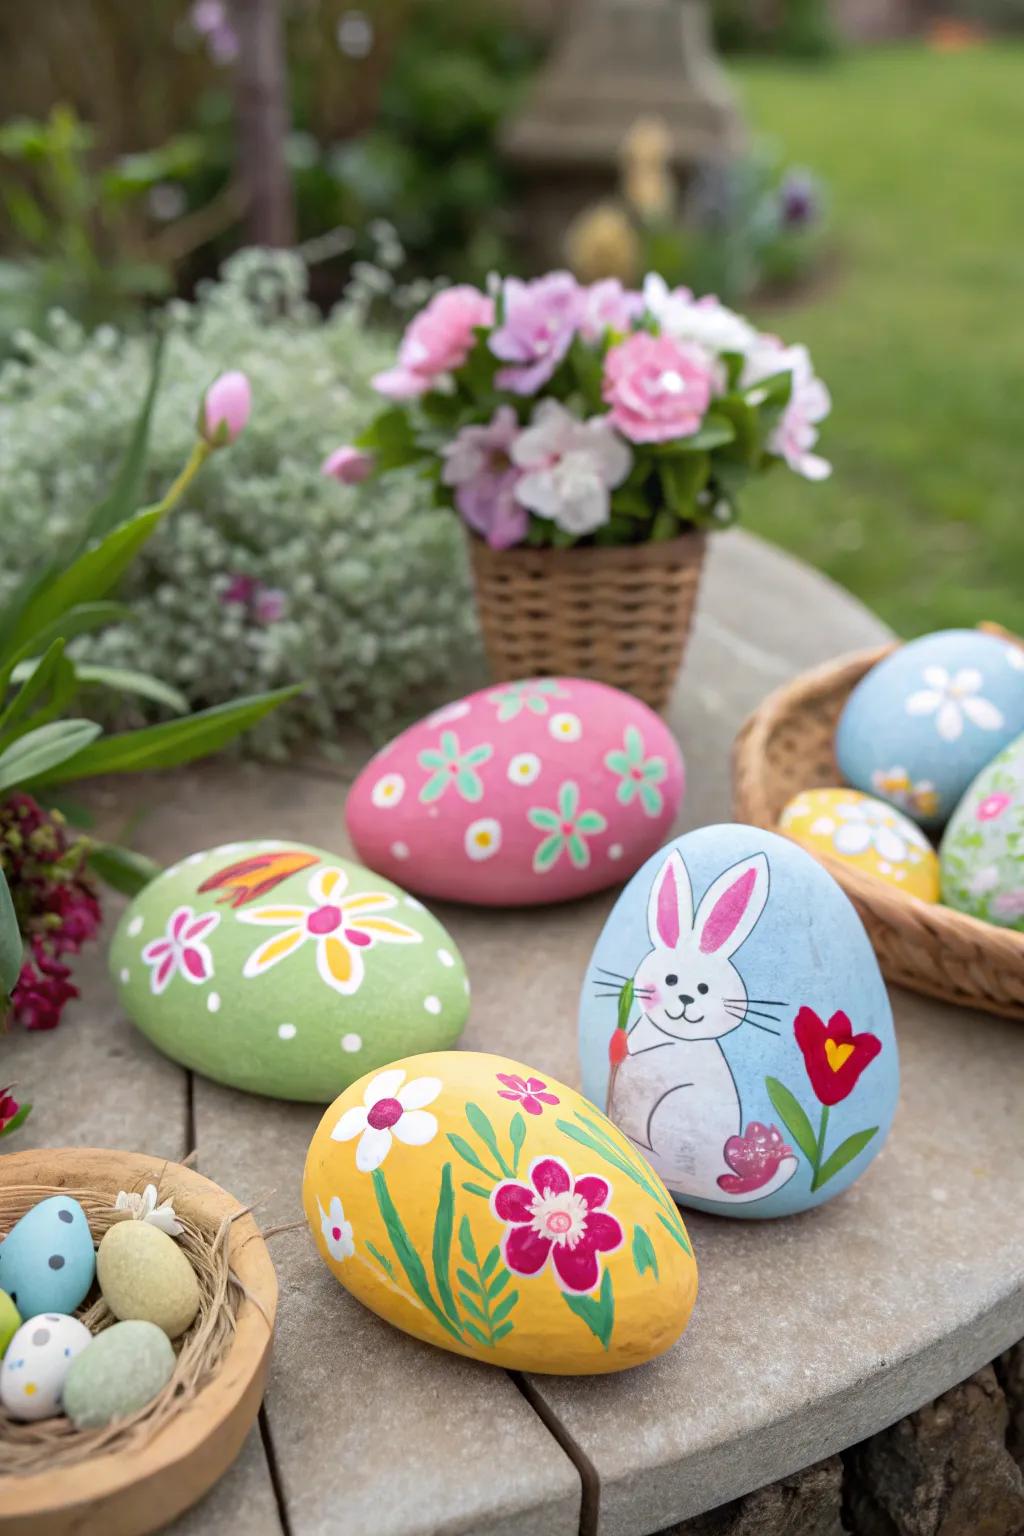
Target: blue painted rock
124	1368
532	792
735	1024
982	852
922	723
285	970
47	1260
37	1363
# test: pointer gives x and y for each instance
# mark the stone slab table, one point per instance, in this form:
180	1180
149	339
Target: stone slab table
809	1333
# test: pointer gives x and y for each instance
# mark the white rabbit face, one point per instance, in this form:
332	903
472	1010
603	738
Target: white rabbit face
687	985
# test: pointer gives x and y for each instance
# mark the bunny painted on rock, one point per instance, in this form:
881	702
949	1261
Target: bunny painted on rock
735	1023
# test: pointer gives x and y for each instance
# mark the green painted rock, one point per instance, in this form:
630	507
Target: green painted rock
122	1370
10	1321
144	1275
285	970
982	853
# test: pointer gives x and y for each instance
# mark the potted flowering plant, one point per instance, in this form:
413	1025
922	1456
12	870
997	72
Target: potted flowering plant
588	437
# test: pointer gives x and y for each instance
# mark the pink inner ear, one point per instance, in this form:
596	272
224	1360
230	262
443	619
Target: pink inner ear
726	913
668	909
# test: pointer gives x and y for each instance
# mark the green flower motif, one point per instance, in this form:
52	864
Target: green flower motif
533	694
568	829
453	766
638	775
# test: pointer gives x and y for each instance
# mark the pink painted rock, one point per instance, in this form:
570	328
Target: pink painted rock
524	793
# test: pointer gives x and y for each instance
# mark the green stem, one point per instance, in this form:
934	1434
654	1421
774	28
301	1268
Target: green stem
820	1148
201	451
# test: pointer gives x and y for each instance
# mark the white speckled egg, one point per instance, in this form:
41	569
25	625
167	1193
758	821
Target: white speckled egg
37	1362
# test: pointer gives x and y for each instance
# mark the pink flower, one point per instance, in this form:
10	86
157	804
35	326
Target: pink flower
478	463
658	389
42	990
992	806
182	949
570	467
348	465
265	605
753	1158
809	403
558	1218
705	321
1009	904
436	342
225	409
8	1107
528	1091
608	306
541	319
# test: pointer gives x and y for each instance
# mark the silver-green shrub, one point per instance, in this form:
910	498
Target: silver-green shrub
375	599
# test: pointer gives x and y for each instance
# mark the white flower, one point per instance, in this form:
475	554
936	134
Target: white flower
704	321
483	838
144	1208
809	402
570	467
336	1230
388	1110
868	823
950	699
1015	656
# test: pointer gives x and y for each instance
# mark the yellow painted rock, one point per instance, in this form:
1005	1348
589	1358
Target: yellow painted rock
486	1208
867	834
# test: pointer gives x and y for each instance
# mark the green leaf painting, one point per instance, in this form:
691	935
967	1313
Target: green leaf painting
793	1116
599	1313
644	1256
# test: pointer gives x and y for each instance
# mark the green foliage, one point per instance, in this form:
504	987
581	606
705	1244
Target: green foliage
797	29
10	940
375	595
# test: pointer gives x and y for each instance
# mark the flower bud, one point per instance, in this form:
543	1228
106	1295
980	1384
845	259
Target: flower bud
225	409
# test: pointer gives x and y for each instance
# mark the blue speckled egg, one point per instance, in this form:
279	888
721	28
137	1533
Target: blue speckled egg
47	1260
735	1025
923	722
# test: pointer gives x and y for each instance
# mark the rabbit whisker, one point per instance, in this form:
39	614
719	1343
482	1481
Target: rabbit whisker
617	974
768	1002
756	1025
762	1013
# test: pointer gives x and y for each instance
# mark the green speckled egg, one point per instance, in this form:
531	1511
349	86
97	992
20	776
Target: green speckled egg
982	853
285	970
10	1321
143	1274
122	1370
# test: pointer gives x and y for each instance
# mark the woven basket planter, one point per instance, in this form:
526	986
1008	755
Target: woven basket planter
787	746
620	614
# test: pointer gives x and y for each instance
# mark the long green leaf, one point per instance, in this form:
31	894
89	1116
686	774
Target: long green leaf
794	1117
644	1256
46	750
466	1242
599	1314
843	1154
31	686
406	1253
173	742
468	1155
73	622
122	868
11	947
443	1223
517	1135
126	492
484	1129
127	680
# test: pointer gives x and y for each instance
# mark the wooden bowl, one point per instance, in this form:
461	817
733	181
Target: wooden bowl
787	746
122	1493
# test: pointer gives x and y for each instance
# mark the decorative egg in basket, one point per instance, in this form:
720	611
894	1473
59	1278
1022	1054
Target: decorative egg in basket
47	1260
868	835
926	719
531	792
285	970
982	850
735	1023
478	1204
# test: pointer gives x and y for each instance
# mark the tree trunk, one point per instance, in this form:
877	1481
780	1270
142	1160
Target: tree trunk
261	104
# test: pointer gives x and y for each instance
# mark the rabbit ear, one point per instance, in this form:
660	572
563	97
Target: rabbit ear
670	904
732	906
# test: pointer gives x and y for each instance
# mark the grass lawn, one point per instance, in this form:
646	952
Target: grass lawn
920	335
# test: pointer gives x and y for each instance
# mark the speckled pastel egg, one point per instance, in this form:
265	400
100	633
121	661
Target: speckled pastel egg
982	851
37	1363
47	1260
867	834
736	1027
124	1368
145	1275
478	1204
922	723
10	1321
529	792
285	970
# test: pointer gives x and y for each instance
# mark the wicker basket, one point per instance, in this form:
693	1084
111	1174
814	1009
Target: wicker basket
620	614
787	746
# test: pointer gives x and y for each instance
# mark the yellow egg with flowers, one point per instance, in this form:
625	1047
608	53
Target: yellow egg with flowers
867	834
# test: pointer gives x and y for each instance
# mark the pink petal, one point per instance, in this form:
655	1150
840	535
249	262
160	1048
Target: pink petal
201	926
595	1191
163	973
535	1084
577	1268
178	921
513	1202
603	1234
547	1098
194	962
550	1173
525	1251
530	1104
156	948
509	1093
511	1080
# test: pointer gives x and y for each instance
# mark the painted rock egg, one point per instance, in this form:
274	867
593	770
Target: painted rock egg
480	1205
982	852
868	835
735	1024
284	970
37	1363
10	1321
145	1276
47	1260
525	793
923	722
122	1370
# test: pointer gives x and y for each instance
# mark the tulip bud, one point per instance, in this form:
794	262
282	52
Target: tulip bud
225	409
348	465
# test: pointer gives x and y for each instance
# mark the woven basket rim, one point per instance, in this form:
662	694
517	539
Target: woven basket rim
684	546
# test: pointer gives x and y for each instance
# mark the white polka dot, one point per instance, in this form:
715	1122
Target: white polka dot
524	768
172	869
565	727
271	842
213	1002
286	1031
197	858
446	957
400	850
124	976
884	867
465	985
388	791
417	906
134	927
456	711
351	1042
432	1004
615	851
483	838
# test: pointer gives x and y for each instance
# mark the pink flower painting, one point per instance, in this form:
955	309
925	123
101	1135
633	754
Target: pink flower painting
529	1092
557	1218
181	950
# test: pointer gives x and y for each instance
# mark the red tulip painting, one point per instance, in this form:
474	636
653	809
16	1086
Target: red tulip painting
834	1057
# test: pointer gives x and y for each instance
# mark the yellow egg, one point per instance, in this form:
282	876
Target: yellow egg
866	834
484	1207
